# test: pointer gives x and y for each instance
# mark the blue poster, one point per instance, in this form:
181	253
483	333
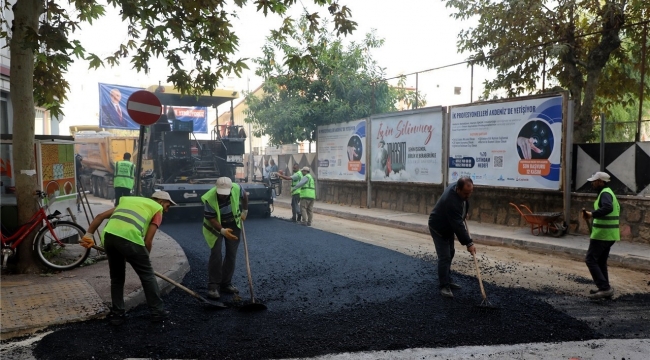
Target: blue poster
112	107
113	113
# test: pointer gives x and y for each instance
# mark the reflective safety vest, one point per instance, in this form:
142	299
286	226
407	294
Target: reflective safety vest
295	182
308	191
124	174
209	233
607	227
131	218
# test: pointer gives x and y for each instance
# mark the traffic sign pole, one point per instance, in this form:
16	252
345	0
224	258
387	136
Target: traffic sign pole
138	165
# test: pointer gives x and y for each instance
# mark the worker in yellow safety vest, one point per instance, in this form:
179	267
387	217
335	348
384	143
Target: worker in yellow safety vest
605	232
128	237
307	188
123	178
225	206
295	194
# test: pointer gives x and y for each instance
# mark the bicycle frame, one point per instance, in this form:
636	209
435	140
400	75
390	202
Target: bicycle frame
21	233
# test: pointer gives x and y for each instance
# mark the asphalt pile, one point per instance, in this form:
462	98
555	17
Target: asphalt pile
325	294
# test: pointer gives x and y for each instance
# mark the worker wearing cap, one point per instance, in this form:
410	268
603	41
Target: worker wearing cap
123	178
128	237
307	187
295	194
225	206
604	233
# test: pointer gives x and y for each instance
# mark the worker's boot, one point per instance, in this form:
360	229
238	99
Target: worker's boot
299	219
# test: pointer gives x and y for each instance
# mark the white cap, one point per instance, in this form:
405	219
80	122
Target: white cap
224	186
306	168
599	176
162	195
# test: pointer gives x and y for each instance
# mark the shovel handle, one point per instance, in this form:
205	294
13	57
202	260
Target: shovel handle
480	280
248	265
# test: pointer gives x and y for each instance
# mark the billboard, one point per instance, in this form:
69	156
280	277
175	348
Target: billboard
408	146
113	114
341	151
508	144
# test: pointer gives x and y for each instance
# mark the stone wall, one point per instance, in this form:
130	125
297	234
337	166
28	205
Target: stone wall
488	205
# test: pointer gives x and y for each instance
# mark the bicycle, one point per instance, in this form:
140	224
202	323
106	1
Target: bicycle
56	243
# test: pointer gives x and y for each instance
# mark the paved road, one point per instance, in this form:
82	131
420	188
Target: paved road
328	294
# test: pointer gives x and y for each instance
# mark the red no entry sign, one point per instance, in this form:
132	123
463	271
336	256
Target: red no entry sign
144	107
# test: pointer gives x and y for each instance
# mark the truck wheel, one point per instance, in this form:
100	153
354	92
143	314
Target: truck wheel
95	186
105	191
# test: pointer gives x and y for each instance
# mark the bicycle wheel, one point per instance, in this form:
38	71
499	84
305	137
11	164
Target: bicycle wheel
64	254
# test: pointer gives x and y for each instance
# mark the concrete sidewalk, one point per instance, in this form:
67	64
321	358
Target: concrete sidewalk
624	254
30	302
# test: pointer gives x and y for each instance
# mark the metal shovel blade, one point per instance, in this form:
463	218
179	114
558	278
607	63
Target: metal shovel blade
252	307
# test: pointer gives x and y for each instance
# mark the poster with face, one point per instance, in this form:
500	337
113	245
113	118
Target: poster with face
341	151
407	146
509	144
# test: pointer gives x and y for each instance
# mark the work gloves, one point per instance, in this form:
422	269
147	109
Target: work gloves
244	214
87	241
227	233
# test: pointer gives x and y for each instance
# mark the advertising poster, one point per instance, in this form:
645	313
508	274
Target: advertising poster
508	144
341	151
113	113
58	169
407	147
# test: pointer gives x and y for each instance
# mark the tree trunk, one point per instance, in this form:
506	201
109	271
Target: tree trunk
26	16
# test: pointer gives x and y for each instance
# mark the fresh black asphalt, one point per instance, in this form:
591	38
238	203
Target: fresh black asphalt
329	294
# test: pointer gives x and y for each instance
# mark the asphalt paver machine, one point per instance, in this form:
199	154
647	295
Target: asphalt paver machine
186	167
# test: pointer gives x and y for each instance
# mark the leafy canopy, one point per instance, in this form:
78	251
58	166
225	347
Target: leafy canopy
576	42
311	78
195	37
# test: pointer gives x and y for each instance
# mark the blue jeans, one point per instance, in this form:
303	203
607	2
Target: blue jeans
445	250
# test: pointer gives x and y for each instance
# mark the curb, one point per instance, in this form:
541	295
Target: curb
629	261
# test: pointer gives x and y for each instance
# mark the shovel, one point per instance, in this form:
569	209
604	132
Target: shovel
252	306
208	303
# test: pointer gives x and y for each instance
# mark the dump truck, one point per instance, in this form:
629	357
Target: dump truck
99	151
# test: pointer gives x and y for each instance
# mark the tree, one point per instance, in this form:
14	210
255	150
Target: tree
193	36
576	40
321	81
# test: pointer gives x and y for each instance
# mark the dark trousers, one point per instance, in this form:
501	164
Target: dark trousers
119	192
445	250
295	207
120	251
220	270
596	261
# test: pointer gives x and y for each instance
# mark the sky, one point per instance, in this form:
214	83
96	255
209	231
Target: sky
419	35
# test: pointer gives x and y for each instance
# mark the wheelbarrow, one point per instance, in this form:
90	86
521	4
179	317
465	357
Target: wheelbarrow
544	222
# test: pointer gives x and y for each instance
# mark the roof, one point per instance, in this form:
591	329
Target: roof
169	95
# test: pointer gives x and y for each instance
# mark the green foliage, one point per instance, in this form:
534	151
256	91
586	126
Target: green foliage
311	78
195	37
580	43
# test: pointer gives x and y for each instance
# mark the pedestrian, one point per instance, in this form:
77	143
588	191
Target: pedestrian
307	188
225	206
123	178
446	219
604	233
128	237
295	194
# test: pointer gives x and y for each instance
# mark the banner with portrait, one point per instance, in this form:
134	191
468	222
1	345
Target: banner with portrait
407	146
113	113
508	144
341	151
